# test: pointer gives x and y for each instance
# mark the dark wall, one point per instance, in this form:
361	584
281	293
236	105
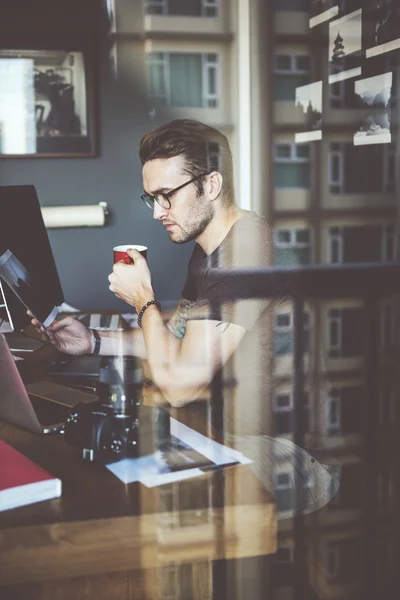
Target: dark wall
84	255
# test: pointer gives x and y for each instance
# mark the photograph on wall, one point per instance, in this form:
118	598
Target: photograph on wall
322	11
45	104
373	96
309	107
382	27
345	44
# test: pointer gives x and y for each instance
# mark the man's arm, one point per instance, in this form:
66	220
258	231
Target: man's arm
130	342
183	369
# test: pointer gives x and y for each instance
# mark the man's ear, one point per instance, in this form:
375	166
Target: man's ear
214	185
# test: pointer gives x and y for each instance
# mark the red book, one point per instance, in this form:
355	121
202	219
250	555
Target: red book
22	481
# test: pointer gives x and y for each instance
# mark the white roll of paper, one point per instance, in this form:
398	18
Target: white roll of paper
74	216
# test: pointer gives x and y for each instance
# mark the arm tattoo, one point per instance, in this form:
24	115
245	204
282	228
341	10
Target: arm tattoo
225	325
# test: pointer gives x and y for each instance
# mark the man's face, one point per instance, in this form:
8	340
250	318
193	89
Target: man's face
189	214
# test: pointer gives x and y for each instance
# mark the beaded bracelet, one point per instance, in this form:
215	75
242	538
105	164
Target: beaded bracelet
140	315
97	342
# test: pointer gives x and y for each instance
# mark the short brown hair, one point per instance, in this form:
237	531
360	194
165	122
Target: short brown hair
204	149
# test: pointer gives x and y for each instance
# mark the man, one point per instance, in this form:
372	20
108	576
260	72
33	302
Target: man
188	182
212	336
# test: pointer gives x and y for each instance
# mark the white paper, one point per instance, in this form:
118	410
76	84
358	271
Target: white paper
148	469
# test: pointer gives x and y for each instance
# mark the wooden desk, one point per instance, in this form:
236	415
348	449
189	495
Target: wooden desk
104	538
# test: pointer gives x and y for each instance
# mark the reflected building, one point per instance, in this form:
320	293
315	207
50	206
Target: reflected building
329	203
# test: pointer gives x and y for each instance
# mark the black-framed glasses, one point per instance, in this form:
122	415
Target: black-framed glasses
163	199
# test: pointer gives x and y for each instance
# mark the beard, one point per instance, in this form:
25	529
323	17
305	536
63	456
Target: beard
195	224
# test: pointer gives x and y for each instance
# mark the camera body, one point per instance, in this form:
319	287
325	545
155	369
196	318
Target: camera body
116	425
102	433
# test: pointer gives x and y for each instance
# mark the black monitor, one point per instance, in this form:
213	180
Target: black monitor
23	236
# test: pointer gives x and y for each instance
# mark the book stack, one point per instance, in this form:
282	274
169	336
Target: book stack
23	482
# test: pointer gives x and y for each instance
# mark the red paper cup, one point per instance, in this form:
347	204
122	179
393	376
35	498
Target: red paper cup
120	252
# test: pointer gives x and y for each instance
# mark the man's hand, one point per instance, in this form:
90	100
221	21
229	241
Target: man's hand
132	283
68	335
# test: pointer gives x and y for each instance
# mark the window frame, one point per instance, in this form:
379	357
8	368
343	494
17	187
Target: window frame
293	244
388	234
164	5
290	328
337	153
294	159
334	427
293	64
206	65
332	320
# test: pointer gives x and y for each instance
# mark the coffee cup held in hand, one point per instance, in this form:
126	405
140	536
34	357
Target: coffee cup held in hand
120	253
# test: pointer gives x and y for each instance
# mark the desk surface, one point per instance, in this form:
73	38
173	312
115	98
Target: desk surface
102	530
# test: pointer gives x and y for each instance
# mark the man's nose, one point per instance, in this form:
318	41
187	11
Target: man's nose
159	212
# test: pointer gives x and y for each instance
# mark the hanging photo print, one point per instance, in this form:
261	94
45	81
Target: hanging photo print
323	10
382	27
309	105
345	45
374	96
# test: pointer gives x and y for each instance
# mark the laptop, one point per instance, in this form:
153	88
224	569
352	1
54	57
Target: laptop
41	407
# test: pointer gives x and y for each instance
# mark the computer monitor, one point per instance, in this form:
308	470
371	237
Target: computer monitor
25	243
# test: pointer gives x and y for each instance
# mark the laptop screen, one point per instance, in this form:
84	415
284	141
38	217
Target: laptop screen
23	235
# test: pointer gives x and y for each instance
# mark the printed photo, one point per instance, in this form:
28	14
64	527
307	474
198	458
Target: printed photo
309	105
345	44
382	27
374	97
322	11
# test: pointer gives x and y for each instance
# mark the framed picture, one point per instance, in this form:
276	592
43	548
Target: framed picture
47	103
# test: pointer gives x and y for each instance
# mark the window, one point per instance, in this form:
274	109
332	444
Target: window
292	166
284	413
291	72
334	412
350	169
387	413
184	8
345	332
344	410
362	243
336	170
284	491
184	80
387	327
292	247
285	488
283	569
295	5
342	559
283	333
